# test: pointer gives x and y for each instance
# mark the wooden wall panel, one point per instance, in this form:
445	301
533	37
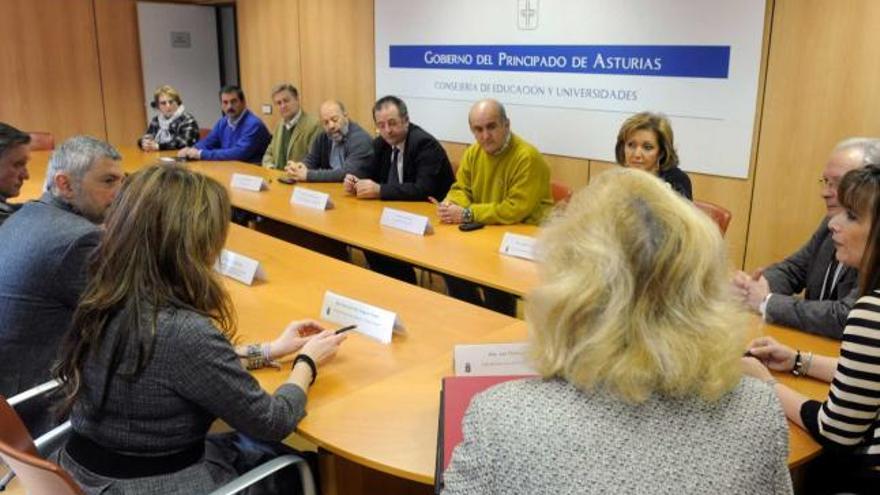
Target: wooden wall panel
121	76
269	52
337	55
823	84
51	81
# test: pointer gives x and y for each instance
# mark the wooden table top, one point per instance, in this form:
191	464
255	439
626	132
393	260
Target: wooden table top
378	404
469	255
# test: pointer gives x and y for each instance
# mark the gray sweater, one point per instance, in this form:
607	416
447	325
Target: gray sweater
193	377
533	436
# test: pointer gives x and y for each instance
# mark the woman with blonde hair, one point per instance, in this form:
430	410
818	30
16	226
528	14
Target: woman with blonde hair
646	142
173	127
148	363
637	342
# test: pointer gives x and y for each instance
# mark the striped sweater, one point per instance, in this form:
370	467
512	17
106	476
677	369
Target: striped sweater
848	420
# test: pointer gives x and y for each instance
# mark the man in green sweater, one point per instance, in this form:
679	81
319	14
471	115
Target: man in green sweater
502	179
295	132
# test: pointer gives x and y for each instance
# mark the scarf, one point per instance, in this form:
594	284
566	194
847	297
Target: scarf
164	134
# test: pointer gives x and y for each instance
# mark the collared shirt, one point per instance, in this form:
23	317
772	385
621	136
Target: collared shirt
233	123
290	125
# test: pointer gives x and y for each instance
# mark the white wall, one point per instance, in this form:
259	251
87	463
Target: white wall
193	71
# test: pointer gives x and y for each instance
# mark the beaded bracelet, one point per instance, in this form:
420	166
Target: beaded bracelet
255	357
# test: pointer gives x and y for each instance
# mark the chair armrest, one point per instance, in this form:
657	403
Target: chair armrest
53	439
263	470
33	392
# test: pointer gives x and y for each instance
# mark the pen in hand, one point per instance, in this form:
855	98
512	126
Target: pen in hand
345	329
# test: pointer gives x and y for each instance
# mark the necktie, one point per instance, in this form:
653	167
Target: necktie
395	177
830	283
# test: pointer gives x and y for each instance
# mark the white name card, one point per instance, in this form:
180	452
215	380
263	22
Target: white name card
492	359
371	321
310	199
239	267
406	221
248	182
521	246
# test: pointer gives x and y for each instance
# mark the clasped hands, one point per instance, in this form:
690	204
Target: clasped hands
752	289
362	188
297	170
447	211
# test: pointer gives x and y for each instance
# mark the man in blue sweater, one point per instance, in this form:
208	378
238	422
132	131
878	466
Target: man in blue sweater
239	135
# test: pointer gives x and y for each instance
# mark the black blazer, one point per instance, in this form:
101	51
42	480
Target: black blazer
426	168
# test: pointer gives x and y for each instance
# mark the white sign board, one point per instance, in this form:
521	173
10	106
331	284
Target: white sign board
492	359
571	71
310	199
405	221
371	321
239	267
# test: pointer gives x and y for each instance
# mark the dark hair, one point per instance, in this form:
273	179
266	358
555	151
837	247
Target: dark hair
163	234
10	136
232	89
859	192
656	122
286	87
391	100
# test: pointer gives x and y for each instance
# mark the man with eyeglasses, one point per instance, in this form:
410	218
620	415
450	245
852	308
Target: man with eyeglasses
409	165
829	288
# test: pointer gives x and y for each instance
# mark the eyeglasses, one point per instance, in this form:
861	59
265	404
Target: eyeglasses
830	183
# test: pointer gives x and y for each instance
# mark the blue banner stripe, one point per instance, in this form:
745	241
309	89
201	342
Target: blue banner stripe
647	60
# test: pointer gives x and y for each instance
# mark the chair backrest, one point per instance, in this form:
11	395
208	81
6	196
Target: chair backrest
13	431
560	192
719	214
42	141
39	476
203	133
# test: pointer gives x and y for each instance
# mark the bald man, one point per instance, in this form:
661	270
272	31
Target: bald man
502	179
343	147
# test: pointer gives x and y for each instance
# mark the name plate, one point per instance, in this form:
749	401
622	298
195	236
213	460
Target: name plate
310	199
520	246
492	359
248	182
406	221
371	321
239	267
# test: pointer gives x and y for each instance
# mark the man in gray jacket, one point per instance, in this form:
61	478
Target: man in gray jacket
46	246
829	287
343	148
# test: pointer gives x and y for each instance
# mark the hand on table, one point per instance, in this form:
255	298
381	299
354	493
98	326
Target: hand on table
448	212
774	355
367	189
349	184
190	153
297	170
323	346
294	337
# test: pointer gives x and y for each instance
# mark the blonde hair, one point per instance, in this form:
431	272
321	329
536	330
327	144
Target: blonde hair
647	121
635	297
168	91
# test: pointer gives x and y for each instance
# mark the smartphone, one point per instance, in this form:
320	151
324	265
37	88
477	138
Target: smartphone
467	227
286	179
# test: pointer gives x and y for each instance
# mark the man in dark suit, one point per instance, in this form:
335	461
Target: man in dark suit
13	167
408	165
829	288
46	246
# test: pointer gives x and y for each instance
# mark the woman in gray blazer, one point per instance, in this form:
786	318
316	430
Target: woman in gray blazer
637	342
148	365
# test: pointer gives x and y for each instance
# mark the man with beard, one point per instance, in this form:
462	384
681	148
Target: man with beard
343	148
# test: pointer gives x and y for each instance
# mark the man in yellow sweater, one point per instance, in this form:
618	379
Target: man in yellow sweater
502	179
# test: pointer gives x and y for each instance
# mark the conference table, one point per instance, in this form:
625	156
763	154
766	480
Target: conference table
376	404
471	256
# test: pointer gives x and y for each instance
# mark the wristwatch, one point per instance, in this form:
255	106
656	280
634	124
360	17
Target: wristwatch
467	216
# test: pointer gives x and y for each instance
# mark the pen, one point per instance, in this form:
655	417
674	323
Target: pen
345	329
